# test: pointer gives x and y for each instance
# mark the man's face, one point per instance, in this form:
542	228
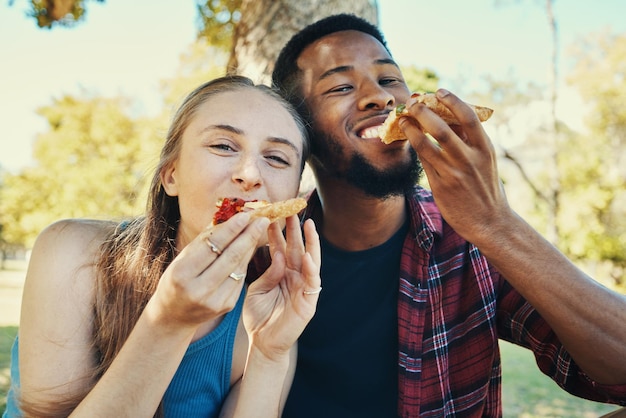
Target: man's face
350	83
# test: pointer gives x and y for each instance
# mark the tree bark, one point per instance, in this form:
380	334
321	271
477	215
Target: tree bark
266	25
58	9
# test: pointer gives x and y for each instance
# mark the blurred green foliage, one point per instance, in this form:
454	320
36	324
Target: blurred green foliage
91	162
594	165
50	13
420	80
218	20
96	159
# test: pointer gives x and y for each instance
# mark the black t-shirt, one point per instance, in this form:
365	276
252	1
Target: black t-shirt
348	354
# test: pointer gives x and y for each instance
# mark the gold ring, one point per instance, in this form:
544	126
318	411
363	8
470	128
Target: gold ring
237	276
214	248
312	292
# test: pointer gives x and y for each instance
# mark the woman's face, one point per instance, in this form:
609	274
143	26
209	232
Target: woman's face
239	144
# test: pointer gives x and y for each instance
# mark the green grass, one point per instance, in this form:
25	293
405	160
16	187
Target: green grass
527	393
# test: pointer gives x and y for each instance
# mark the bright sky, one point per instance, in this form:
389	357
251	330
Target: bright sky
126	48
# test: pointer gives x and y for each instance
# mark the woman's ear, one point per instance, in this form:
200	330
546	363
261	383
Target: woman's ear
168	180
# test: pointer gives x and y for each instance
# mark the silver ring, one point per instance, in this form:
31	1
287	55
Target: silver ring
237	276
312	292
214	248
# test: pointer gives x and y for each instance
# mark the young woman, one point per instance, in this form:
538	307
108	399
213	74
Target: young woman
147	317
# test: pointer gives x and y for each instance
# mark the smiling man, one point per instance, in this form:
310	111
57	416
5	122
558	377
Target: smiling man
418	289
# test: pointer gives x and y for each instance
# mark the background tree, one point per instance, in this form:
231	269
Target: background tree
95	159
201	62
49	13
591	164
420	79
91	163
550	194
218	20
266	25
597	166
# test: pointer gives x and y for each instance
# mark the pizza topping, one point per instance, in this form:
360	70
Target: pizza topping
227	208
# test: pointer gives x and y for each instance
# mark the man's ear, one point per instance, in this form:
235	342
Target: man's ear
168	180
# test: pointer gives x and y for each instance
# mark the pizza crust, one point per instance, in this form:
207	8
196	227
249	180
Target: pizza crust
390	130
277	210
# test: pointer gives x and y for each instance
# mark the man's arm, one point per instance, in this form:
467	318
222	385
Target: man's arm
589	319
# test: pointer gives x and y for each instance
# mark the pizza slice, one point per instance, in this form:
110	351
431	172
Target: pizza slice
390	130
228	207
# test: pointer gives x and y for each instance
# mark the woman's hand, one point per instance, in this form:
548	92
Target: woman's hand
205	280
282	301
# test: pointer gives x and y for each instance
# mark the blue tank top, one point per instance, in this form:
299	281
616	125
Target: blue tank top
12	410
200	383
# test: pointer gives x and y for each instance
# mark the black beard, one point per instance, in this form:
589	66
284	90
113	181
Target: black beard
380	184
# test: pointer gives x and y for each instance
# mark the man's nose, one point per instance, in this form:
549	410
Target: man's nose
374	96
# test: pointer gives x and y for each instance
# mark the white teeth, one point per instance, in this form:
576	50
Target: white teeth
370	132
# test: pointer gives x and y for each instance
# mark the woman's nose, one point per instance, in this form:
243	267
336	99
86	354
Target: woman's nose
247	174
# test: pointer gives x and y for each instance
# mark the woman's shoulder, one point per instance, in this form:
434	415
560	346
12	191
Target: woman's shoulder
80	225
82	233
61	266
69	244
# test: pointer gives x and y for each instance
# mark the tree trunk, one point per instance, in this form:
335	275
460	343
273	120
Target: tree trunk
266	25
58	9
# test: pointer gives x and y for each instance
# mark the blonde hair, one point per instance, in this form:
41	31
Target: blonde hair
138	252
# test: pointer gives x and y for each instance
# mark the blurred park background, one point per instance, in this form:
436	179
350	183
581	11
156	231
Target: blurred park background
87	93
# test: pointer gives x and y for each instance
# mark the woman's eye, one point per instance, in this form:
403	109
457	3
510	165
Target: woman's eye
222	147
279	160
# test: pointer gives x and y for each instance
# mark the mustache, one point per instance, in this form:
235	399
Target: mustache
374	114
